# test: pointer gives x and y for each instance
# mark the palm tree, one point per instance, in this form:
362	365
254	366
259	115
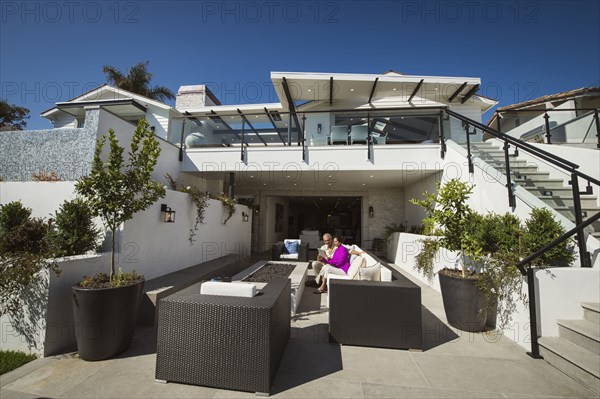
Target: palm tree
137	81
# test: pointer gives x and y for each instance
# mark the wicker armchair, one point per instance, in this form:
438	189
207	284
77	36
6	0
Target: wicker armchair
278	252
384	314
223	341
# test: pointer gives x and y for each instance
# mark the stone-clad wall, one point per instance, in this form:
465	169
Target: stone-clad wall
68	152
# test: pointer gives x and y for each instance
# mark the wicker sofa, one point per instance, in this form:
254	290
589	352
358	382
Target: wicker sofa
223	341
385	314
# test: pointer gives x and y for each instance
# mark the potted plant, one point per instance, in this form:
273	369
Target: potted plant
455	223
105	306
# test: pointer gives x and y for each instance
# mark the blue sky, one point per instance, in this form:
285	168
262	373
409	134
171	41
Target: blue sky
53	50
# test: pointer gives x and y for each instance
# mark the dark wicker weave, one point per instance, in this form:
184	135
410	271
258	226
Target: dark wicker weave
224	342
277	250
376	313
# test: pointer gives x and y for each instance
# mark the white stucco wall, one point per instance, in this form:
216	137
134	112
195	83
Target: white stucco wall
561	292
49	311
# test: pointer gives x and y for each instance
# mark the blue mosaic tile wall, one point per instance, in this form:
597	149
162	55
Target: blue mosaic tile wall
69	152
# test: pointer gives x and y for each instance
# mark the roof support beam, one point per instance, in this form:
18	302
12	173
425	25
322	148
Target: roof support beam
220	120
457	92
330	90
251	127
416	90
373	89
274	125
291	105
470	94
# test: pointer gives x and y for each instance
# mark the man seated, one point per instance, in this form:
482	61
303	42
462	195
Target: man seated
318	264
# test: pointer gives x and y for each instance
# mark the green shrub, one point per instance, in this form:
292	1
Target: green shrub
12	215
74	232
500	233
10	360
29	237
540	230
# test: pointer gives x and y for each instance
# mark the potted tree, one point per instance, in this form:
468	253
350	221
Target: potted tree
455	224
105	306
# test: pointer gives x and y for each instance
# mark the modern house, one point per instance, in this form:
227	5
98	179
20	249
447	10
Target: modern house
344	153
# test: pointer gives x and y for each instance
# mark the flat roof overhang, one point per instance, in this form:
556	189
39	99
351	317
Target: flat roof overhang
333	87
127	108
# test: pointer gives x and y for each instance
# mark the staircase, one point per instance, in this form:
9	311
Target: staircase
554	192
576	351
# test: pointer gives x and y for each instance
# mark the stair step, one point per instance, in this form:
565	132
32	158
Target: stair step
591	310
576	362
581	332
536	181
569	213
566	200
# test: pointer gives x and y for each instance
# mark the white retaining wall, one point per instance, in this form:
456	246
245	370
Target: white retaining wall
147	245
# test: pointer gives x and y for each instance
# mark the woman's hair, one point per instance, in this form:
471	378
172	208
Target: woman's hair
339	239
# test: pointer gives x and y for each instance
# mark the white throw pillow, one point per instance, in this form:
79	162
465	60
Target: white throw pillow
372	273
356	264
228	289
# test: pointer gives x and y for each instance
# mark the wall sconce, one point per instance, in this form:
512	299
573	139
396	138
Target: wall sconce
169	214
371	213
245	217
319	128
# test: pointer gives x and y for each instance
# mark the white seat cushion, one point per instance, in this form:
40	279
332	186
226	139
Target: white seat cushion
355	265
371	273
228	289
288	256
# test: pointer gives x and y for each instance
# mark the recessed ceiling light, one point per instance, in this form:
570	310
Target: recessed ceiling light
394	89
364	184
309	89
351	89
251	176
329	184
371	176
294	184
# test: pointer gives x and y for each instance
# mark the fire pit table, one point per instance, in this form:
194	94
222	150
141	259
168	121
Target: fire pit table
262	272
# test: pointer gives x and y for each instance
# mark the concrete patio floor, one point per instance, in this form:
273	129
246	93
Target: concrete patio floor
454	364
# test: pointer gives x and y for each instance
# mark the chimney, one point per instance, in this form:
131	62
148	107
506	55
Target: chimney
194	96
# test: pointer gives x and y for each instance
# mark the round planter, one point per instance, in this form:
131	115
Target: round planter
105	319
464	303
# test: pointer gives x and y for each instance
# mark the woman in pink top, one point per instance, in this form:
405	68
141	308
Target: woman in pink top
339	263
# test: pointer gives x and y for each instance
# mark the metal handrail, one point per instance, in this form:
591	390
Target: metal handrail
547	156
578	229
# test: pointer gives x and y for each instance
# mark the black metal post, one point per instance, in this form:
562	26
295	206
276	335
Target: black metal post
369	137
597	119
242	141
290	128
511	195
583	255
181	142
498	125
469	156
535	347
442	138
304	137
548	135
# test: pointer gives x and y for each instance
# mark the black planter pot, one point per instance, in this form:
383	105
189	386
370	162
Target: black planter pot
105	319
464	303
